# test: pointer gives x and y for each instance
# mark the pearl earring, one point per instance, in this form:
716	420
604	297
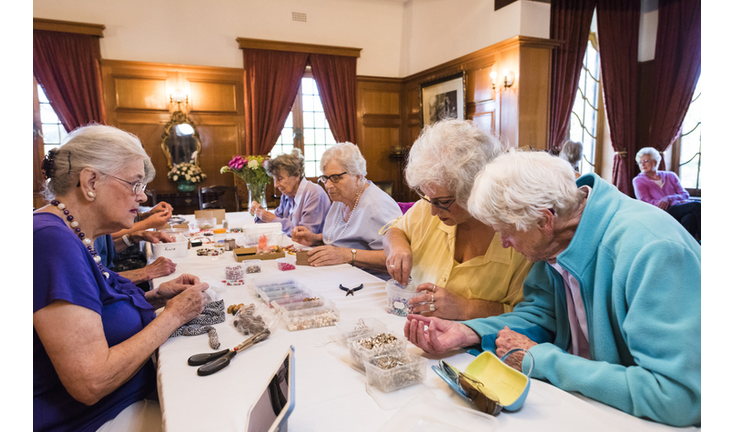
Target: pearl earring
91	194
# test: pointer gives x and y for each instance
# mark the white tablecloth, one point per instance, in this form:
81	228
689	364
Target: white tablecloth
330	395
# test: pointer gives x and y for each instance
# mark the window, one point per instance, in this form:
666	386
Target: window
690	143
585	113
52	131
306	128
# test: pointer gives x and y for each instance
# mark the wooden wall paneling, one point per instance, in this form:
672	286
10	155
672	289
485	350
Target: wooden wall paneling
142	93
534	98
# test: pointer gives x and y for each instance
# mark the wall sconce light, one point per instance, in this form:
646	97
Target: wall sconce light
179	97
508	78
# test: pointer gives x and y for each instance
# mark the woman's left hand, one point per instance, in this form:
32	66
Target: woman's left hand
168	290
264	215
446	304
509	339
328	255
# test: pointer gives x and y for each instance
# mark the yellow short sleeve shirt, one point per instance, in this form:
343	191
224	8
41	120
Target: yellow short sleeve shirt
497	276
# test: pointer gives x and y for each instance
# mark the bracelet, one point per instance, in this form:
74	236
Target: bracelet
127	241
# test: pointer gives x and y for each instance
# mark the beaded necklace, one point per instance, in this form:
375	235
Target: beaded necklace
343	216
74	225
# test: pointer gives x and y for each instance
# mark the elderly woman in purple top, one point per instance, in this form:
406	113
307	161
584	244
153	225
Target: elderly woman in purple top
94	331
663	189
303	203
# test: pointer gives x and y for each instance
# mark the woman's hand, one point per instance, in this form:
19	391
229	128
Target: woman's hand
254	207
439	336
158	219
400	262
664	204
264	215
446	304
304	236
168	290
328	255
508	339
189	303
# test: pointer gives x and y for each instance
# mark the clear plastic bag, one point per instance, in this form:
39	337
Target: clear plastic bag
253	319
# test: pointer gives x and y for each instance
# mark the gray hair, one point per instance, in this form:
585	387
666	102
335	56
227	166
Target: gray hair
450	153
291	163
571	152
649	151
517	186
102	148
348	156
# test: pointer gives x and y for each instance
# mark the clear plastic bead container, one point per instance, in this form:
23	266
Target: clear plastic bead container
358	327
398	296
291	304
303	319
283	289
406	370
361	353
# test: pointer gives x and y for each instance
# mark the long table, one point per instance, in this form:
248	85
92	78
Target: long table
330	394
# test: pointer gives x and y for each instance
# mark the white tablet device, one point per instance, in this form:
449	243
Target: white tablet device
271	411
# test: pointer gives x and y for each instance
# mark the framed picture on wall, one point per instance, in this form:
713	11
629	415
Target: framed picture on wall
443	98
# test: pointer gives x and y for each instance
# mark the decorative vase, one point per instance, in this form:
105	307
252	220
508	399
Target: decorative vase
186	186
256	193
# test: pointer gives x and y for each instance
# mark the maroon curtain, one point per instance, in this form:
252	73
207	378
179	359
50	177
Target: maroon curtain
570	23
677	68
618	22
272	79
67	66
336	78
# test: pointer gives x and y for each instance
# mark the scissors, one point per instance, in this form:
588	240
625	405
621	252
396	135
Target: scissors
216	361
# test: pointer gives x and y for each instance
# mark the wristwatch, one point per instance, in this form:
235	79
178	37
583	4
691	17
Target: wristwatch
354	255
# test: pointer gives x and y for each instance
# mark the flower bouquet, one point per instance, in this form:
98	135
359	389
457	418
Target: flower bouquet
186	174
251	169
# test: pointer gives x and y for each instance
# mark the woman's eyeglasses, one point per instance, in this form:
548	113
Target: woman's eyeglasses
441	203
138	187
334	178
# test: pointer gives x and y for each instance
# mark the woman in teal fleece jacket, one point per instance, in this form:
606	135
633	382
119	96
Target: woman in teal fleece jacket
639	278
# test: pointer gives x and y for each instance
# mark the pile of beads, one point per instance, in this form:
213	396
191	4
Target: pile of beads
236	230
233	282
234	273
378	340
209	252
395	371
285	265
246	322
364	349
324	319
254	268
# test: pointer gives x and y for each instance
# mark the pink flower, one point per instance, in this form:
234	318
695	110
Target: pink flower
237	162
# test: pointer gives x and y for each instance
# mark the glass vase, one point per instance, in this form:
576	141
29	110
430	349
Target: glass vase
186	186
256	192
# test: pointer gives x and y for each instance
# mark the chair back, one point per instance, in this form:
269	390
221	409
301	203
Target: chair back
219	197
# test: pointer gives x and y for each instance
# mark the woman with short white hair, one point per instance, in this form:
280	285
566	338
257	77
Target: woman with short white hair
359	210
94	331
459	262
663	189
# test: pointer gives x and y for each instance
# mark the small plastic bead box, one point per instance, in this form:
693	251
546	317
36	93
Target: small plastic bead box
358	327
365	347
270	291
302	319
389	373
398	296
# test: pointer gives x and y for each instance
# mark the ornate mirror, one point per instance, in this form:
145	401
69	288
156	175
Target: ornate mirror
181	141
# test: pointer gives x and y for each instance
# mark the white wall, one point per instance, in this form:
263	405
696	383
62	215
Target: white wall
437	31
397	37
204	32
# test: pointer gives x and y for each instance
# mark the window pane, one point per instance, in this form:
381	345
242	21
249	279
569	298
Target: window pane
308	119
690	142
48	115
308	103
50	133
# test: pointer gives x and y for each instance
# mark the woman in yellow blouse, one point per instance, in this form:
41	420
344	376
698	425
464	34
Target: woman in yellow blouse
458	261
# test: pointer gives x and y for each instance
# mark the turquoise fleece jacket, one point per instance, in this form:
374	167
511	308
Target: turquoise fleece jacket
640	278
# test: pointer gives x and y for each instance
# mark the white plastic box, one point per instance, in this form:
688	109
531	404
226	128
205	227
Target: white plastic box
177	249
361	355
387	380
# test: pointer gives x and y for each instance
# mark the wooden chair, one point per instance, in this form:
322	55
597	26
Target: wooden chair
219	197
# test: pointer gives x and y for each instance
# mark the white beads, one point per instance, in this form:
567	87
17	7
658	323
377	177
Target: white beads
61	206
73	224
87	241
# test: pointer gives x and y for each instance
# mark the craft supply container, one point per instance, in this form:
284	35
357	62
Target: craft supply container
270	292
361	354
358	327
298	303
387	380
252	266
397	298
285	264
177	249
205	224
303	319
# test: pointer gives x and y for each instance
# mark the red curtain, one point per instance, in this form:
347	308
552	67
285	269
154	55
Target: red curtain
271	84
336	78
619	26
67	66
677	68
570	23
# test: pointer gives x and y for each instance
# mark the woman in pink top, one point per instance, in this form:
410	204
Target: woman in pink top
663	189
